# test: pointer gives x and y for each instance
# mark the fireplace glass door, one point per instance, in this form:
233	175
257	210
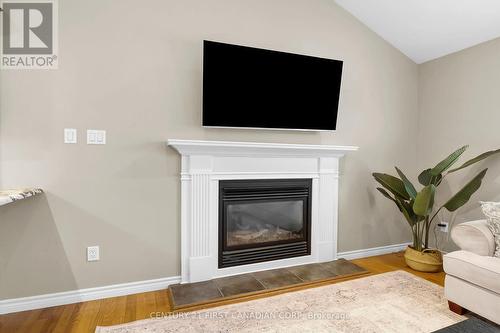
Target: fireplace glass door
264	221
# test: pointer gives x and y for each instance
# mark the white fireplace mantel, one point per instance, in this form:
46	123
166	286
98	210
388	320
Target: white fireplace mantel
198	147
204	163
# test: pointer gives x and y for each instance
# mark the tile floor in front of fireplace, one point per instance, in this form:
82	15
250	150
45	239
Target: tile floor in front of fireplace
189	294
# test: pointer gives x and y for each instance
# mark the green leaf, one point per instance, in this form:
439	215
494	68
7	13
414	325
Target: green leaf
403	207
476	159
425	177
393	184
410	189
388	196
425	201
437	180
462	196
448	162
408	213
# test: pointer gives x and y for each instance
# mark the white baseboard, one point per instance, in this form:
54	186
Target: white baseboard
374	251
82	295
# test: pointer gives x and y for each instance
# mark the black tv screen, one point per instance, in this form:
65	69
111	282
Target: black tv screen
256	88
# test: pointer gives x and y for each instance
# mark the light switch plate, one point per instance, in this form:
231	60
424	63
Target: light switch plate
96	137
93	253
70	135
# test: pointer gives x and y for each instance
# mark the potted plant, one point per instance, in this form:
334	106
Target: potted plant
418	206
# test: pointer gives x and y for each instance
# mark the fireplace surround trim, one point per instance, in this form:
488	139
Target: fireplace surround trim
205	163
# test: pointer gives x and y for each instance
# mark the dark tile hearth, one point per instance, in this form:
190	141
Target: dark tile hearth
342	267
238	284
190	294
311	272
277	278
195	292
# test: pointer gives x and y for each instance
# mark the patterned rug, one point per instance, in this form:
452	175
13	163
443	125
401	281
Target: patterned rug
391	302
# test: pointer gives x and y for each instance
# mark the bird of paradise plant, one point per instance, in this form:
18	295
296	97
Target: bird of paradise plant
418	206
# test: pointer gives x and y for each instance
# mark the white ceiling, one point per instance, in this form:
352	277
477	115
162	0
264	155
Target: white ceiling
429	29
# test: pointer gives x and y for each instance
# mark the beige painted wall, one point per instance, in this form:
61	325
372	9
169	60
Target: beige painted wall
459	104
134	69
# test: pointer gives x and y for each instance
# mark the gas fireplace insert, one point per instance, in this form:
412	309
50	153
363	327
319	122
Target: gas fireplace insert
264	219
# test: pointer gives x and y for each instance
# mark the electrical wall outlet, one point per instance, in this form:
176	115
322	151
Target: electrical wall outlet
93	253
70	135
96	137
443	226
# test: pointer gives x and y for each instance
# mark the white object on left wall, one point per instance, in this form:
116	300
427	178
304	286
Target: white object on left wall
70	135
93	253
96	137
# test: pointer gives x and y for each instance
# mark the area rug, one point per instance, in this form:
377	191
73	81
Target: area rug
471	325
391	302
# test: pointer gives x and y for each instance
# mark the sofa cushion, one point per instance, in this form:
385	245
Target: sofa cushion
482	271
492	212
474	236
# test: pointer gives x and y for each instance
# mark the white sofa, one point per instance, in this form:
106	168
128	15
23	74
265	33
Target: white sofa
472	274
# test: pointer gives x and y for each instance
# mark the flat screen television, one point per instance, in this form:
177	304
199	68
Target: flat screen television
246	87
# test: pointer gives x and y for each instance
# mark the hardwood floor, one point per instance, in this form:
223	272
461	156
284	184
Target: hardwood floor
84	317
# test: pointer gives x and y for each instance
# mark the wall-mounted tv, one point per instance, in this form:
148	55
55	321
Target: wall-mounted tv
246	87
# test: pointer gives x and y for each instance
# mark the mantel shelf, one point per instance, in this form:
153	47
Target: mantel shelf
227	148
9	196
